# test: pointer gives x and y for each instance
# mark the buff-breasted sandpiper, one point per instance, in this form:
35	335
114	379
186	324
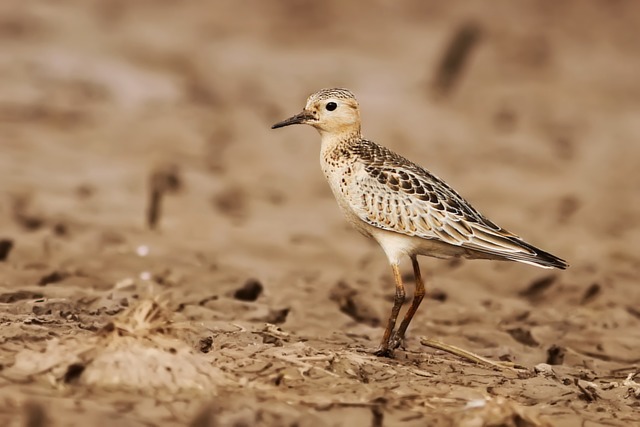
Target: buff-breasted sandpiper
404	207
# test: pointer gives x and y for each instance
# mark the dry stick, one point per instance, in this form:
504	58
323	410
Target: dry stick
5	248
164	179
154	207
439	345
625	368
456	56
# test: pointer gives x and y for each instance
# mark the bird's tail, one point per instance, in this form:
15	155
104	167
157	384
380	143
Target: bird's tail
537	257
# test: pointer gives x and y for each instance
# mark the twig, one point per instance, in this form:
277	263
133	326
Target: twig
164	179
588	393
439	345
633	368
456	56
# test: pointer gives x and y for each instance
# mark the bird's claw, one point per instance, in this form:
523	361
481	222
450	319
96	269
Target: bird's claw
396	342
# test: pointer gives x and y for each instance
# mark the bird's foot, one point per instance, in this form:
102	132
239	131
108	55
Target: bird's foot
386	350
382	352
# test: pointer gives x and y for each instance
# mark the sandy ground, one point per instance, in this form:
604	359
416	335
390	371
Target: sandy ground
267	304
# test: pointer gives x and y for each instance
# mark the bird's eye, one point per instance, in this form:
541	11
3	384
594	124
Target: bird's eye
331	106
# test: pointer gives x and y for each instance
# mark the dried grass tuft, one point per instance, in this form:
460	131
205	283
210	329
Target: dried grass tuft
147	318
141	349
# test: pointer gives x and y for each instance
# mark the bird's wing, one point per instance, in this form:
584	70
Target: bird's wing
394	194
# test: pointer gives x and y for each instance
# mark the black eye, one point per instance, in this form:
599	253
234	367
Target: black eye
331	106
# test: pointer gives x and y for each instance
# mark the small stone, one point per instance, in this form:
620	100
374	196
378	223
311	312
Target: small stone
250	291
544	369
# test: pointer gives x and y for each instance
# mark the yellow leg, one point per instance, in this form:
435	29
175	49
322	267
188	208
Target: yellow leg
384	349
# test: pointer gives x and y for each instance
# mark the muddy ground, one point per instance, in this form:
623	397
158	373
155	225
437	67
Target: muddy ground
252	302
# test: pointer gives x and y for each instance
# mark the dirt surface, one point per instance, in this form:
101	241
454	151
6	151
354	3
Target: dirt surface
252	302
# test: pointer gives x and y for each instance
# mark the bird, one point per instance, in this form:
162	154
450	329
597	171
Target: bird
409	211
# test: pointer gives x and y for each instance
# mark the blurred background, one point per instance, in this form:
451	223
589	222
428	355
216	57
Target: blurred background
135	142
529	110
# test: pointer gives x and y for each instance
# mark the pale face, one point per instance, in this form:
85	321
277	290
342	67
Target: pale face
328	114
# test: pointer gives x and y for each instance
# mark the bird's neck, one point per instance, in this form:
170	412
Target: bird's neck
334	140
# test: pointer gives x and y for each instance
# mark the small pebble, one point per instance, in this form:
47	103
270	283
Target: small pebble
544	369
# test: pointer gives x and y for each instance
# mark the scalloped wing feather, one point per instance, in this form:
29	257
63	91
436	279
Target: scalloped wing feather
394	194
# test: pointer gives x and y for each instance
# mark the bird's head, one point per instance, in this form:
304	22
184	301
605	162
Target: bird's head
331	111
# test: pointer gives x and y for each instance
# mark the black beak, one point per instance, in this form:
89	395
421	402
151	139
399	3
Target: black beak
298	119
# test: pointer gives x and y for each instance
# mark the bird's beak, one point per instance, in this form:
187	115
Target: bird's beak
298	119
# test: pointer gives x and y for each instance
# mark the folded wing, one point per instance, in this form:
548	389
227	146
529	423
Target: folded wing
394	194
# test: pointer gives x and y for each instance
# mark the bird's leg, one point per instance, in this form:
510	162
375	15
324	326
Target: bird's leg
398	337
384	349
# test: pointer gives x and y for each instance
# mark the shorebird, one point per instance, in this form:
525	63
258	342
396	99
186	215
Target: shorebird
408	210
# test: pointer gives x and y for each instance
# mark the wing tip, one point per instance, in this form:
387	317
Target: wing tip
536	256
543	259
553	261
